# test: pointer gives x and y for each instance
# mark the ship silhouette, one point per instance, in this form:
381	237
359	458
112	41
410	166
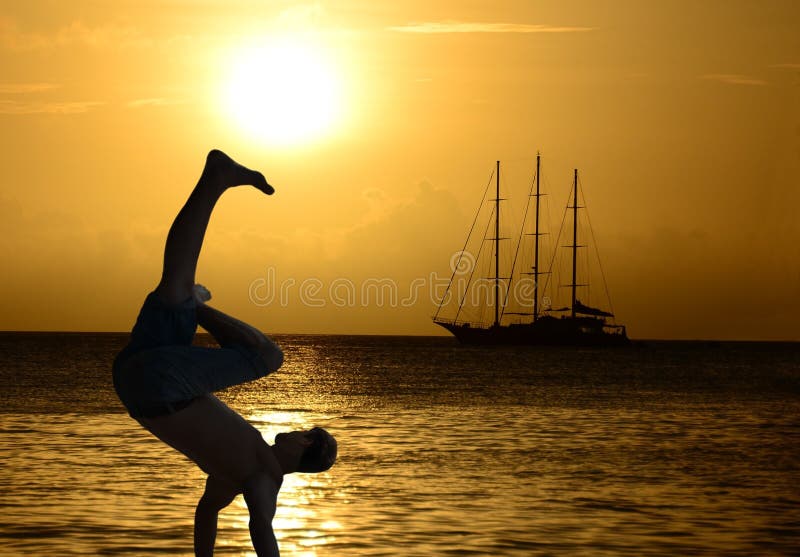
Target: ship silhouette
536	322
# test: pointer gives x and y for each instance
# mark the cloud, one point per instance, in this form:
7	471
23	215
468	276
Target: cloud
16	88
27	106
734	79
69	107
76	33
483	27
154	101
786	66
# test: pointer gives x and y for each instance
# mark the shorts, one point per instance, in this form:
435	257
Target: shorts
160	371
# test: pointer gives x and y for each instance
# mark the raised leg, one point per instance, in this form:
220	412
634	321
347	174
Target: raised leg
185	237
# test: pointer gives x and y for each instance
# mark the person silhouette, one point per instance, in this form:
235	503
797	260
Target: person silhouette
167	384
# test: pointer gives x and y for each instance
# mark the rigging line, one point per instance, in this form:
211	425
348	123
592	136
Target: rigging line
558	239
585	261
519	243
475	266
597	252
471	228
548	247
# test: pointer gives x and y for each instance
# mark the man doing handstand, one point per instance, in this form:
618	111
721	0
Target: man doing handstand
166	383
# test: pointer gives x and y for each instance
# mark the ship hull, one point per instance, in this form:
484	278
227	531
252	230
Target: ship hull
547	331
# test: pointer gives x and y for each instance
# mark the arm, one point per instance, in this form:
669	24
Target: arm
267	545
217	496
261	496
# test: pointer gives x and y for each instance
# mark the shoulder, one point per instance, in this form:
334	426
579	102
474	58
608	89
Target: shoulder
270	465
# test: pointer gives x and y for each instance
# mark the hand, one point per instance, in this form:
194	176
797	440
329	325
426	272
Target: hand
201	294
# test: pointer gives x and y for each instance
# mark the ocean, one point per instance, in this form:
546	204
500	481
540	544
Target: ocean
662	448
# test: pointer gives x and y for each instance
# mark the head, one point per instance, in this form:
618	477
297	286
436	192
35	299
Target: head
316	448
320	454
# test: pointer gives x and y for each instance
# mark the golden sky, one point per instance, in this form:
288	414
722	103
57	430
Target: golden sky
682	116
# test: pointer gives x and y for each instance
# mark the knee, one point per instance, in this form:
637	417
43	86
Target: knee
175	292
270	354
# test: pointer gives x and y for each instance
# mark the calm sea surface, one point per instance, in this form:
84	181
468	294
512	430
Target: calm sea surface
660	449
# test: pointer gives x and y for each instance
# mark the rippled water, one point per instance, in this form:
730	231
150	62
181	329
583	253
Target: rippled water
661	449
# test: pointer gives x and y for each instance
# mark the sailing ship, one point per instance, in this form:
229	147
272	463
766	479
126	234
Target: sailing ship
577	324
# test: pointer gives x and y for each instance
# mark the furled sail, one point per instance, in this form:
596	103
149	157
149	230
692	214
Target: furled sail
586	310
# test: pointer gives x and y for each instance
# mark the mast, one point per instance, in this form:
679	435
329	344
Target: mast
497	250
574	238
536	250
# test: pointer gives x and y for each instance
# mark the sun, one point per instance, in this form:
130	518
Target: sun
283	92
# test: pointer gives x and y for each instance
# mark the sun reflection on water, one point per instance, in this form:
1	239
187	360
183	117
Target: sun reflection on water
301	525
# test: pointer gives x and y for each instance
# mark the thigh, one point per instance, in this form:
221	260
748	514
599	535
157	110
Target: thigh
176	373
207	370
220	441
160	323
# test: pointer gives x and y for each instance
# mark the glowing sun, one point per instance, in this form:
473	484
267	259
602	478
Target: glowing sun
283	92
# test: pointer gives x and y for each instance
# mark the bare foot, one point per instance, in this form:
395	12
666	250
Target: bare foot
229	173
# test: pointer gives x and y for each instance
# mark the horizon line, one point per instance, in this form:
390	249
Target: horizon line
634	340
